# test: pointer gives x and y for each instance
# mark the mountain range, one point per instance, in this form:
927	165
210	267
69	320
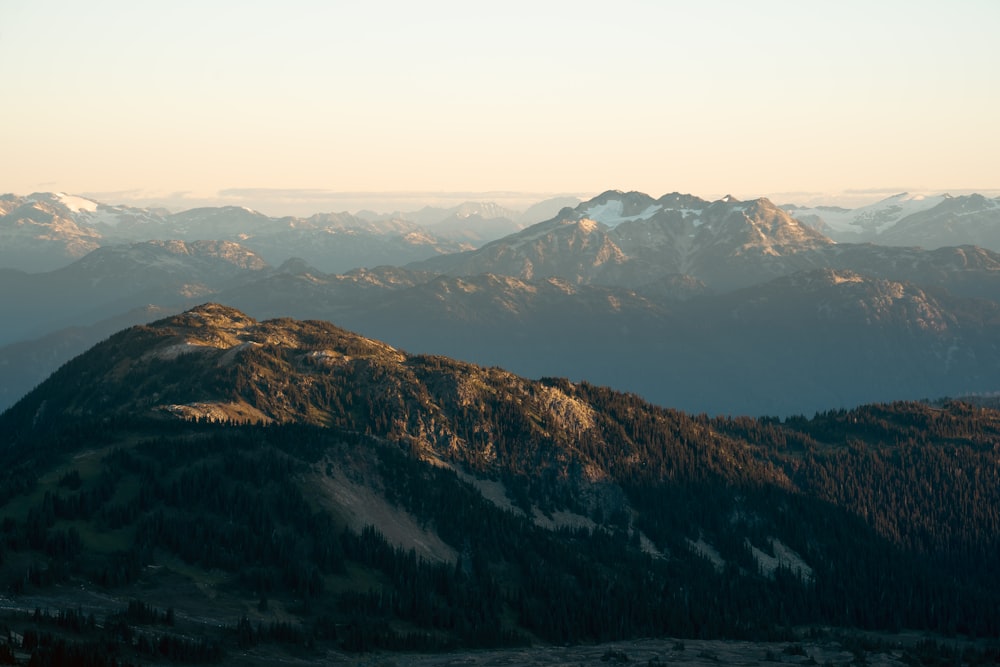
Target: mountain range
186	480
44	231
725	307
927	221
287	485
47	231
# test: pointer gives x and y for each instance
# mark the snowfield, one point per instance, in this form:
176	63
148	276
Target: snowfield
873	218
611	213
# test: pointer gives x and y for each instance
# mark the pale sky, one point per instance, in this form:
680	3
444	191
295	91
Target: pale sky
800	101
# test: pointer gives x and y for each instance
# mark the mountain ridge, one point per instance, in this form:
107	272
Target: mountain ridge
558	506
45	231
724	244
627	338
626	281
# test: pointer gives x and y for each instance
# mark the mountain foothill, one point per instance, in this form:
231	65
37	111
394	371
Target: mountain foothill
636	418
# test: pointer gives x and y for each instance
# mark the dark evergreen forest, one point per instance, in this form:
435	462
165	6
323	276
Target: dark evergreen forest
894	508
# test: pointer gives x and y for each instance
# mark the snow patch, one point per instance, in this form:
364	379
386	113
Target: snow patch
691	213
113	216
873	218
76	204
611	213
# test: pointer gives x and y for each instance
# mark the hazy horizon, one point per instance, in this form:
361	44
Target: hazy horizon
838	103
303	203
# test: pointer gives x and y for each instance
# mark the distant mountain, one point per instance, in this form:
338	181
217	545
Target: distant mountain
926	221
831	337
862	338
633	241
55	315
545	210
477	223
798	344
430	216
330	241
471	223
45	231
795	345
113	280
289	487
867	222
931	314
40	236
215	222
623	290
966	220
338	249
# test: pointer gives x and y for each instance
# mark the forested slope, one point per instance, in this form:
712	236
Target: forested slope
302	486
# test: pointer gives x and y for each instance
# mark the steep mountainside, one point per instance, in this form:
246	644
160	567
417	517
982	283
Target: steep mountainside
376	499
472	222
